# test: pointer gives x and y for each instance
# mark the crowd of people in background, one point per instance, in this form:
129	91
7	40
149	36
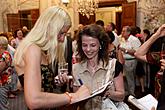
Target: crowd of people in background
88	53
9	78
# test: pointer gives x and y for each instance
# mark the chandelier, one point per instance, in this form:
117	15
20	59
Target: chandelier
87	7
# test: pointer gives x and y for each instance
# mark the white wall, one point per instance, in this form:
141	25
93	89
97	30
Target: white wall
7	6
29	4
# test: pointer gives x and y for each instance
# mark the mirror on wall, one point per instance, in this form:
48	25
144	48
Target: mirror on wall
110	14
107	14
22	18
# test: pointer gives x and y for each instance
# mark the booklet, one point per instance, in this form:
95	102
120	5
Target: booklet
144	103
99	90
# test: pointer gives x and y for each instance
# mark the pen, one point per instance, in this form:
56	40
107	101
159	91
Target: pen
80	81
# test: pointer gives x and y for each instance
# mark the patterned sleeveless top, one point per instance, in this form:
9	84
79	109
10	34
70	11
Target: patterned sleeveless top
47	78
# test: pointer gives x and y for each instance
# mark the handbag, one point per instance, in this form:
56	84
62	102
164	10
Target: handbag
107	103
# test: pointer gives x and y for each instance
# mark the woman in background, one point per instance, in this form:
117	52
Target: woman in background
18	36
114	52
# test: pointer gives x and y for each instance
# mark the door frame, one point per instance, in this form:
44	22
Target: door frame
111	3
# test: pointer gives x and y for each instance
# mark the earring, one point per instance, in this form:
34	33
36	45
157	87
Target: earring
100	47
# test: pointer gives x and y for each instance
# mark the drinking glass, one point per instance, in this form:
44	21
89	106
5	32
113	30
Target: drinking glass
62	68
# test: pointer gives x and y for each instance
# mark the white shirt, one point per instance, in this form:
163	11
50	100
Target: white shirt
116	41
131	43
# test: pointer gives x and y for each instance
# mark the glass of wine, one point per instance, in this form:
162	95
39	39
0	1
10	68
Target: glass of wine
62	68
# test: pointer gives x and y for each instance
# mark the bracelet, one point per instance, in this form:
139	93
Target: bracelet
70	97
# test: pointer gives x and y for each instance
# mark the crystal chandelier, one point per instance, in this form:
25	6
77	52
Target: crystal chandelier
87	7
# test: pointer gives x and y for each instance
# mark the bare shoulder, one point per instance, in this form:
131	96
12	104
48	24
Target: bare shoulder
32	52
33	48
31	55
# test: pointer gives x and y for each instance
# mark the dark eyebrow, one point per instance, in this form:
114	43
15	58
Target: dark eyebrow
62	32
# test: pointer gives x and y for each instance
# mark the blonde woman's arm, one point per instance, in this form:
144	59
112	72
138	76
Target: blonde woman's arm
34	97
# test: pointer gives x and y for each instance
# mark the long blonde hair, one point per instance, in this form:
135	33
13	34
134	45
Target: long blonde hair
44	34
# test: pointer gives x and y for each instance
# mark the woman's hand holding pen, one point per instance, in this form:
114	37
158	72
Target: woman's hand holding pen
82	93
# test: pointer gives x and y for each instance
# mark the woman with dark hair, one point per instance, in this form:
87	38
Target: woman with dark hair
18	36
93	66
110	27
114	52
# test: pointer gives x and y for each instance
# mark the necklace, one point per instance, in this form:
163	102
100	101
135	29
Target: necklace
92	68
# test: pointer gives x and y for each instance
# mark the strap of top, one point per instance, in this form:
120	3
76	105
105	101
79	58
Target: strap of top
111	70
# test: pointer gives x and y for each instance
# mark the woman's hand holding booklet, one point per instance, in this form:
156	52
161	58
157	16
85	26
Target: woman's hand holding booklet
99	90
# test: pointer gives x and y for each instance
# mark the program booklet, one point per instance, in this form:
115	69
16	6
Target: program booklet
144	103
99	90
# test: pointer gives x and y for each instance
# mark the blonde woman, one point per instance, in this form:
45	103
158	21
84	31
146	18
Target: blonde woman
45	41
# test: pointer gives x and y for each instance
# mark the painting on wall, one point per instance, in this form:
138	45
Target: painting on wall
106	14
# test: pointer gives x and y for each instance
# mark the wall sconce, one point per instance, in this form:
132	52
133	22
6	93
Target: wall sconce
65	2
